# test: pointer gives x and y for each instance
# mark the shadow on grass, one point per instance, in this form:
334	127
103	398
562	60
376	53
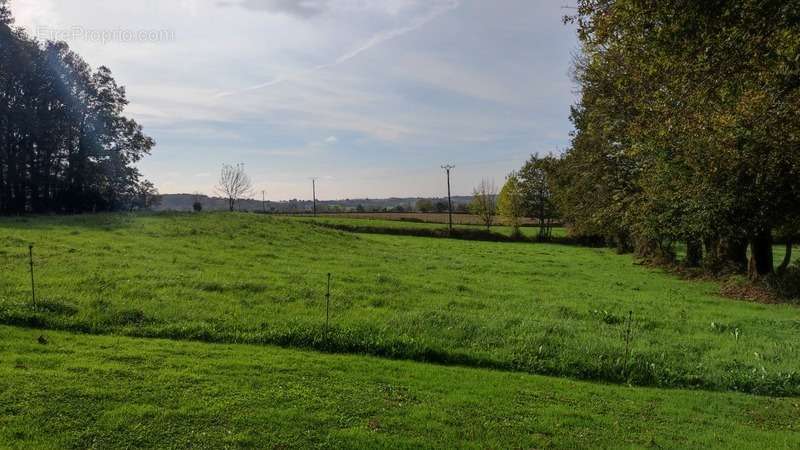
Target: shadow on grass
93	222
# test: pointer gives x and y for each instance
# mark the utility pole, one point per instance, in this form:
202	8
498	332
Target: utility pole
447	169
264	201
314	195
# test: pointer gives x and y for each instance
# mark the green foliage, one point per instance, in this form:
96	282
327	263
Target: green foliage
537	179
511	202
688	125
65	145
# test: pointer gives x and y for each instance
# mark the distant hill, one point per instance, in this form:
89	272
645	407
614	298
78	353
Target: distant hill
184	202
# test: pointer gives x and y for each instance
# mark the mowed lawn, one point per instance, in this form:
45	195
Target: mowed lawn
60	390
546	309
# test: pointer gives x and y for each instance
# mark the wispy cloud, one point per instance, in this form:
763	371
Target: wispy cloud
370	43
299	8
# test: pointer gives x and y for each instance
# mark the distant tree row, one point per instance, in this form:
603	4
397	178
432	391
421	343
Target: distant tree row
65	145
425	205
687	131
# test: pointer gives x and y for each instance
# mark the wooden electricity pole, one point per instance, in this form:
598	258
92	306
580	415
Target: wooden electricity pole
314	195
447	169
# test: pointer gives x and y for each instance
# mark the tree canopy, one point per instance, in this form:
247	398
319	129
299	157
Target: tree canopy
65	145
688	127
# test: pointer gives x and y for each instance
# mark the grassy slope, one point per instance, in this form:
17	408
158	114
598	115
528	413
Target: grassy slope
113	392
541	308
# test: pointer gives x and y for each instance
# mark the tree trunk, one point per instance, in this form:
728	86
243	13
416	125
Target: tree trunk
733	251
623	243
787	257
694	253
646	248
711	256
761	263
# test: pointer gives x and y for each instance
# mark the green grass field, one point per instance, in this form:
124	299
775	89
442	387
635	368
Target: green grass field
78	391
522	308
544	309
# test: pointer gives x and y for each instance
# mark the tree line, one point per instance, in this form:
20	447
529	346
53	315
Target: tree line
65	145
687	132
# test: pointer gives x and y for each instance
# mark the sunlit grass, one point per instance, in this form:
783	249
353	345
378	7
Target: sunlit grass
60	390
548	309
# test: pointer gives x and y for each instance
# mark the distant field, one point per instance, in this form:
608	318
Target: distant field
78	391
392	220
442	218
536	308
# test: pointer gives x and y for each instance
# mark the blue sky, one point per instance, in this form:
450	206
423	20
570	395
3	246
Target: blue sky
369	96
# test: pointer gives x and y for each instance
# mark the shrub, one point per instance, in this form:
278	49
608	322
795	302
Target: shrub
785	283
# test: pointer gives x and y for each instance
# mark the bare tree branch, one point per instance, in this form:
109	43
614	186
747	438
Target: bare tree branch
484	202
234	184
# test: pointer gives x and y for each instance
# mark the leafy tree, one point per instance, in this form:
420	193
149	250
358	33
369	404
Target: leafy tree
687	127
537	178
65	145
511	202
484	202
